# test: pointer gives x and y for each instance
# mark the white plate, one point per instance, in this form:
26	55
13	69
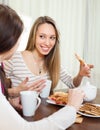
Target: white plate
89	115
53	102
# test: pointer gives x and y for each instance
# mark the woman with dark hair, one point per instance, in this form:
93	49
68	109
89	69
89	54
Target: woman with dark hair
11	28
9	36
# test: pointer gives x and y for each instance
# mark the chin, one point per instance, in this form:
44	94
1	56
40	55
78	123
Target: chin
45	52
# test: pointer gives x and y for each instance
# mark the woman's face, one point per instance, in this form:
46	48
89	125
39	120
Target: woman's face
45	38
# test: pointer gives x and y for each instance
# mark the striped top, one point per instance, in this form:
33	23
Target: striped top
17	71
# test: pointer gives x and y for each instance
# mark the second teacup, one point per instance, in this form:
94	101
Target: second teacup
46	90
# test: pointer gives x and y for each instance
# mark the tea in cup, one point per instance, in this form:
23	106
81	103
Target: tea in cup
30	102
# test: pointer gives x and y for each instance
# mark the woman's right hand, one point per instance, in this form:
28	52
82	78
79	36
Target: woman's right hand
37	85
75	98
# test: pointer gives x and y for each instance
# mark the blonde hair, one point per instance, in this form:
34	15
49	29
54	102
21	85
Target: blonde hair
52	60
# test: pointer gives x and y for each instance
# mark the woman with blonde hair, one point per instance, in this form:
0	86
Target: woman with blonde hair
41	58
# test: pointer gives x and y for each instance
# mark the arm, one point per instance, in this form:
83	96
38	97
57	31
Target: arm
84	71
66	78
37	85
57	121
11	120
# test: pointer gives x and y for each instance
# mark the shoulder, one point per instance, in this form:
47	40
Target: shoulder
26	53
16	54
16	57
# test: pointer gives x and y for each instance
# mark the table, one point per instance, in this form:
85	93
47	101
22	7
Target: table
46	109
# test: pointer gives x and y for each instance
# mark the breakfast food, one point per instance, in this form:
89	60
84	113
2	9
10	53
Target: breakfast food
80	59
91	109
79	120
59	97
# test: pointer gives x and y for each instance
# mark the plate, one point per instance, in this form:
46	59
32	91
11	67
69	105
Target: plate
53	102
89	115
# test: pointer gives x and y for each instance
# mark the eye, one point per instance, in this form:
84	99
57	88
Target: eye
53	38
42	36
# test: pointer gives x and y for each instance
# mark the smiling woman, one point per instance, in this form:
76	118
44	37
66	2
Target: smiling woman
70	17
78	22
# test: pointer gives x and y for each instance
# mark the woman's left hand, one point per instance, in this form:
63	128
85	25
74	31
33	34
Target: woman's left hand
85	69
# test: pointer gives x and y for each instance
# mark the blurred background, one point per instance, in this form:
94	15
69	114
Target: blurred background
79	24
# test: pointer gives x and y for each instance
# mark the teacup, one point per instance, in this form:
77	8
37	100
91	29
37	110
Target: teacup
90	91
30	102
46	90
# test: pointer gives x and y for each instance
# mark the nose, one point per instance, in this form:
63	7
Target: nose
47	42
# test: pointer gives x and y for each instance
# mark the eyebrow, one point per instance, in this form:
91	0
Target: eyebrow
46	34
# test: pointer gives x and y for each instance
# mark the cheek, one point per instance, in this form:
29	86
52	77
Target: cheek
53	44
10	55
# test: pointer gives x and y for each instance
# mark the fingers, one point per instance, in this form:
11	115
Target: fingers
15	102
38	88
91	66
25	80
19	106
85	70
37	85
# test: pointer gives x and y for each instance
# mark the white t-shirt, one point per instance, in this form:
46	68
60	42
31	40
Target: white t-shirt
11	120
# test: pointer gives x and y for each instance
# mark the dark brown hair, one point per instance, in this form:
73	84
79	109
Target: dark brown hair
6	83
11	27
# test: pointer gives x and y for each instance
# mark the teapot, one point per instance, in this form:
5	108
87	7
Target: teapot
90	91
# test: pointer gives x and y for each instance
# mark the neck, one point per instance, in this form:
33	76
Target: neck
38	62
37	57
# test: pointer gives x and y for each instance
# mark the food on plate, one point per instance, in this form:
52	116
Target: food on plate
91	109
59	97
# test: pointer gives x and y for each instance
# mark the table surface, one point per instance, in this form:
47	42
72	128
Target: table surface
45	109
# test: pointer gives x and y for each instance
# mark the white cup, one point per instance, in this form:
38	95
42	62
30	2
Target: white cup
90	92
30	102
46	90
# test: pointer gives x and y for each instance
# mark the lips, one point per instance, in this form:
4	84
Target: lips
45	49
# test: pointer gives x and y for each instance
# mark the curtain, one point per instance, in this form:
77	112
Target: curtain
92	49
4	1
78	22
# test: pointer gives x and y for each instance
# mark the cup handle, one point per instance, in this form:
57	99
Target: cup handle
39	101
